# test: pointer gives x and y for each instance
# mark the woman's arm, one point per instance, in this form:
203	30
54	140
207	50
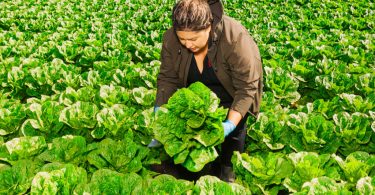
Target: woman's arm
167	81
246	72
234	116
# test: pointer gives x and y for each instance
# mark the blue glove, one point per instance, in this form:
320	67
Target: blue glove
229	126
154	143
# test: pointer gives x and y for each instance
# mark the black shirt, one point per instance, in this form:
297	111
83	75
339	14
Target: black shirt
209	78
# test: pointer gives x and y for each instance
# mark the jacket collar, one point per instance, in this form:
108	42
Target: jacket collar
217	12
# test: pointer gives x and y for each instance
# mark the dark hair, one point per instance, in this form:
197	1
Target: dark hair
191	15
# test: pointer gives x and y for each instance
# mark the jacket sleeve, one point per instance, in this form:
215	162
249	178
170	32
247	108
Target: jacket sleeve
167	81
246	72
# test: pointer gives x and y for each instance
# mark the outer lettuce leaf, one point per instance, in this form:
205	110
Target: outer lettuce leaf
357	165
56	178
199	157
143	96
213	185
114	121
112	94
167	184
123	156
105	181
16	179
324	185
25	147
309	165
261	171
365	185
354	129
315	133
43	118
12	114
80	115
143	125
66	149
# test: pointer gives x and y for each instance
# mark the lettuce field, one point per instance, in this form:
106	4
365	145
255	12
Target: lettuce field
78	84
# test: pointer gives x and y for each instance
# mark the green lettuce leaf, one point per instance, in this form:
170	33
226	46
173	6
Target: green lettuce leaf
309	165
57	178
365	185
314	133
123	156
114	121
17	178
324	185
66	149
261	171
356	165
105	181
12	114
25	147
43	119
213	185
80	115
167	184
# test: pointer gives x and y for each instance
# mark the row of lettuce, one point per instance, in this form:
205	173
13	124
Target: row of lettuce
78	79
107	111
65	164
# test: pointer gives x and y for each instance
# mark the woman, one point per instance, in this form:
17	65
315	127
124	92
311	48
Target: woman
205	45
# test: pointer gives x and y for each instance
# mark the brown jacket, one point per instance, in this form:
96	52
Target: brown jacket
234	56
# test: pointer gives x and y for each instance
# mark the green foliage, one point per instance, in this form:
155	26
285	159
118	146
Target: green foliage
213	185
25	147
323	185
314	133
66	149
167	184
114	121
43	119
356	165
12	113
309	165
105	181
261	171
74	74
124	156
57	178
365	185
79	115
17	177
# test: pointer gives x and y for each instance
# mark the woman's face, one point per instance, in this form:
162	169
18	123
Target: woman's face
195	41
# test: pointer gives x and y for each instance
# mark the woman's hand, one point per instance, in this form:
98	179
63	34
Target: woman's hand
229	127
232	121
